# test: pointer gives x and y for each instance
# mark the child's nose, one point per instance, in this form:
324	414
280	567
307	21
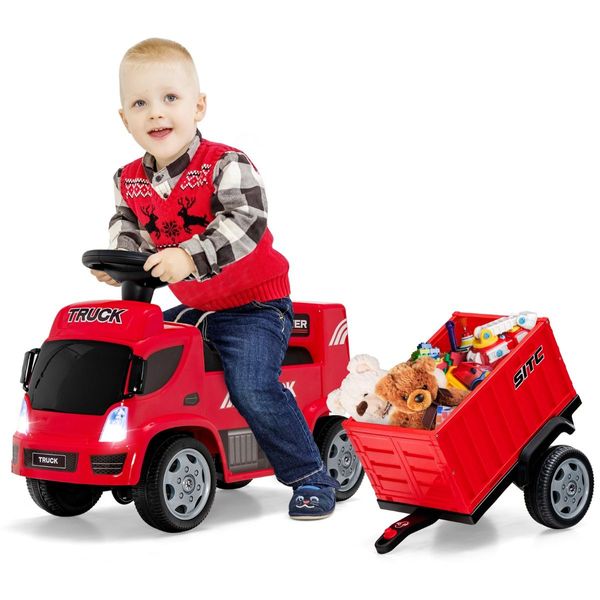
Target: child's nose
156	111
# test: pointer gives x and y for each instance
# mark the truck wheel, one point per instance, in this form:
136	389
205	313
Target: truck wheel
63	499
235	485
177	487
340	459
561	487
122	495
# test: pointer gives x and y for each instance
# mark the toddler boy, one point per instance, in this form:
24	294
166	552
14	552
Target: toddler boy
200	208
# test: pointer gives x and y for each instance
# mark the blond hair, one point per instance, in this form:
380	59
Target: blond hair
157	49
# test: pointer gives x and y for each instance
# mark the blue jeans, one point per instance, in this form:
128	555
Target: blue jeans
251	341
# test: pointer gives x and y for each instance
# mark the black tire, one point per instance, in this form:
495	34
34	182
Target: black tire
560	488
122	495
323	425
160	502
63	499
531	504
339	457
235	485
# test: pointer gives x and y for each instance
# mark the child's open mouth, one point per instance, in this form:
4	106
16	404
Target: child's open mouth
160	132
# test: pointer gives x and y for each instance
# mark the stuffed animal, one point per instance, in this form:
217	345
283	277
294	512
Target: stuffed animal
415	389
356	397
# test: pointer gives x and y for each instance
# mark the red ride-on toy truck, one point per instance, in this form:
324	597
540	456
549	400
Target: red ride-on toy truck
117	399
500	434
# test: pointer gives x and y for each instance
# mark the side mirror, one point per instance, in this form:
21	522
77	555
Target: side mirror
26	370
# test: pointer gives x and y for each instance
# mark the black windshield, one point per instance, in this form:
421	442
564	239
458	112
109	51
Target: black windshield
79	376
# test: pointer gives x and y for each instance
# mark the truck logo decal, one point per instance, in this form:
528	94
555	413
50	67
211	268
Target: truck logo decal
88	314
49	460
528	367
227	400
340	334
301	325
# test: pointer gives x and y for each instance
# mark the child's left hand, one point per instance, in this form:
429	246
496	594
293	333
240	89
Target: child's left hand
170	265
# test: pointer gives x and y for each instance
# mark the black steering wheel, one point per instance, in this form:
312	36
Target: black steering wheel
128	269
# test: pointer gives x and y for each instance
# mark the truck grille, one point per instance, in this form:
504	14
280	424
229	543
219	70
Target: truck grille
52	460
108	464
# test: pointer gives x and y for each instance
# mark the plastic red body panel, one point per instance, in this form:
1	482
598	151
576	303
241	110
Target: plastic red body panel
142	329
454	467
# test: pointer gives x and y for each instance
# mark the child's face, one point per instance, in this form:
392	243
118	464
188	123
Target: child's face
161	95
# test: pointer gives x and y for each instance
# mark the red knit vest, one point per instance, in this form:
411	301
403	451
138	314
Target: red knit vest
261	275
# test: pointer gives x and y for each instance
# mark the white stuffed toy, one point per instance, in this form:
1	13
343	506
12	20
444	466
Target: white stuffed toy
356	395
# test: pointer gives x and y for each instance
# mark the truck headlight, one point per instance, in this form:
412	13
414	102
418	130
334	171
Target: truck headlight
115	427
23	423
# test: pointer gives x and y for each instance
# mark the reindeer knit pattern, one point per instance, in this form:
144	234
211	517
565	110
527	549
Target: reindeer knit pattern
186	218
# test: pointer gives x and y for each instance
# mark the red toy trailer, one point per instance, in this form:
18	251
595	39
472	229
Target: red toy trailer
116	399
500	434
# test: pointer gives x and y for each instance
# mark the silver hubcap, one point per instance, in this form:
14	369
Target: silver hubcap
570	488
186	484
342	462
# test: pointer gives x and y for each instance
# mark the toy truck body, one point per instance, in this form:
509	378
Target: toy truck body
102	355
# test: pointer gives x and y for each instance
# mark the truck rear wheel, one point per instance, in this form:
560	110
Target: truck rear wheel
339	457
63	499
177	487
561	487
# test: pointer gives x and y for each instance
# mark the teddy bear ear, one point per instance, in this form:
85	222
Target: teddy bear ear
363	363
399	367
426	363
333	402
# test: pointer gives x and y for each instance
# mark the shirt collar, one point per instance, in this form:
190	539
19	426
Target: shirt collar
178	166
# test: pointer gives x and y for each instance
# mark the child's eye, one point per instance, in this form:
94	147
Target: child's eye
169	96
137	103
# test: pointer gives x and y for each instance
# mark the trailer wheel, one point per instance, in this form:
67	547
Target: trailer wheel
63	499
561	487
340	459
177	487
530	503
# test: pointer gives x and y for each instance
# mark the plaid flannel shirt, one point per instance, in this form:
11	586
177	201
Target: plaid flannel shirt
239	205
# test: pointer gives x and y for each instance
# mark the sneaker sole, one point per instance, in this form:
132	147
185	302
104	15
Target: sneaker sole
310	518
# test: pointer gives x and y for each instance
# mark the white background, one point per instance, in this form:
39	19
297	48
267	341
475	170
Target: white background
419	158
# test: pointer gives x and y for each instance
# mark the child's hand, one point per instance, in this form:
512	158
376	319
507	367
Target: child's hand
170	265
105	277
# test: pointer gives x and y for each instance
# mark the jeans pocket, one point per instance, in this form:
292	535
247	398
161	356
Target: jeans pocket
270	305
275	306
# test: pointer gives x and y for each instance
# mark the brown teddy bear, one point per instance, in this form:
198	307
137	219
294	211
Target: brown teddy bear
415	389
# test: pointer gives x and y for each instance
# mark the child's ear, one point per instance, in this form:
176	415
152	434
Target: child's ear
200	107
122	115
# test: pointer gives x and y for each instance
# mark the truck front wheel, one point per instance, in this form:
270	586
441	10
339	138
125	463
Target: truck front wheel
177	487
63	499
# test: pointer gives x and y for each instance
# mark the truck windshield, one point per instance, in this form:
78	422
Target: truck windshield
79	376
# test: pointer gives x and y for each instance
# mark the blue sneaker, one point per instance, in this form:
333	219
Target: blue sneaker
312	502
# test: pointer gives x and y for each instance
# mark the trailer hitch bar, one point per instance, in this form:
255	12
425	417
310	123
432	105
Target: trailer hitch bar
400	530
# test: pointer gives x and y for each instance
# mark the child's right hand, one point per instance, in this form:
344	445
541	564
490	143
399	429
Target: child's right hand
105	277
